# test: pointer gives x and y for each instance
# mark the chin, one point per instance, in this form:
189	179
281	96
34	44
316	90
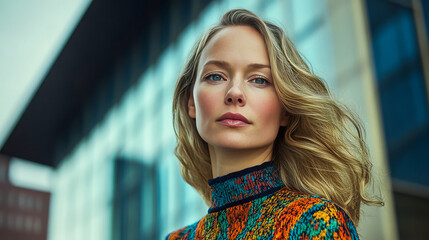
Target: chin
239	141
239	144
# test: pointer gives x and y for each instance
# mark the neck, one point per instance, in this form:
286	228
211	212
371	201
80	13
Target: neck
225	161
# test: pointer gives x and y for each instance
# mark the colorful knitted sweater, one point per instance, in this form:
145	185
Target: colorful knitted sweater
254	204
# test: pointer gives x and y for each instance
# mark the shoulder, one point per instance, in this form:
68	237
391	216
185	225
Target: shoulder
187	232
314	217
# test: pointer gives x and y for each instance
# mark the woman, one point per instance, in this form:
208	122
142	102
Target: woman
261	139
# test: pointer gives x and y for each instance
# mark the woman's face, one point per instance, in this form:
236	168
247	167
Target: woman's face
234	101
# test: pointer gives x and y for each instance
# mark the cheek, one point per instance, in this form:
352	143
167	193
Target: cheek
205	103
270	109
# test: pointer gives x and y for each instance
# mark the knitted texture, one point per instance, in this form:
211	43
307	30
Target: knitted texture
227	190
254	204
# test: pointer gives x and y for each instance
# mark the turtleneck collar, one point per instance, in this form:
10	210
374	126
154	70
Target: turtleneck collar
243	186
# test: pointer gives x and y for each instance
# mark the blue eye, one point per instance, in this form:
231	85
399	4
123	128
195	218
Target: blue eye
260	81
214	77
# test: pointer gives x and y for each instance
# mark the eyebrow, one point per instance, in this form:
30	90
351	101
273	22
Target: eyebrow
225	64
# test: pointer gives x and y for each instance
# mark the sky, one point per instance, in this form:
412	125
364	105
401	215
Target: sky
32	34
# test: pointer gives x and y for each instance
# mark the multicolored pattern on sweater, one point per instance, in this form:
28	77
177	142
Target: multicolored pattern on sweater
227	190
254	204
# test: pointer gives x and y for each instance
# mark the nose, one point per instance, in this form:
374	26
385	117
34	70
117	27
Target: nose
235	95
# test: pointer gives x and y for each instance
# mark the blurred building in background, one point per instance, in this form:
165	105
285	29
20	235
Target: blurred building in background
24	212
399	44
102	115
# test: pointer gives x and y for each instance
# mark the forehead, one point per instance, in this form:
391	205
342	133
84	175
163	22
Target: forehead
239	44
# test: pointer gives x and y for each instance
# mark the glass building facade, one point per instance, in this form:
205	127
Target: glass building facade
399	45
118	178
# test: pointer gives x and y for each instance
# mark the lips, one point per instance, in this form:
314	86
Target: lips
233	120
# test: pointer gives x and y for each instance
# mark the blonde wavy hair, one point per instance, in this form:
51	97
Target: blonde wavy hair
322	150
